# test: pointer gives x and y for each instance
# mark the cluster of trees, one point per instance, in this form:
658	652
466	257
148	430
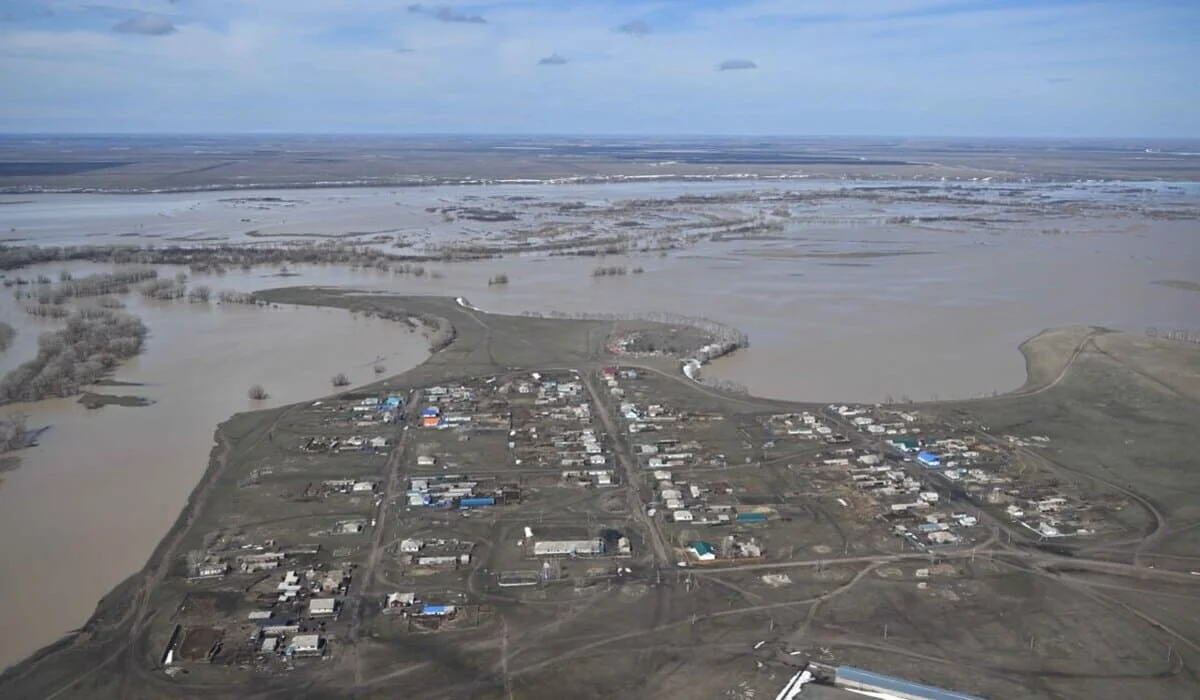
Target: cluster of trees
93	342
47	310
609	271
498	279
166	290
90	286
7	335
228	296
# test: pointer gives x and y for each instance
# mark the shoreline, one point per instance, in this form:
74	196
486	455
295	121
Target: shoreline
122	600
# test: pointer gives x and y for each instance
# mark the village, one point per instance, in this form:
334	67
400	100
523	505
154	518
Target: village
511	485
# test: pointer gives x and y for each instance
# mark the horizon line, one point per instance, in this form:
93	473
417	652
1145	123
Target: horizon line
551	134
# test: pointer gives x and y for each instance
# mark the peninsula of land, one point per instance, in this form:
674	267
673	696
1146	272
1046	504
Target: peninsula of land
552	508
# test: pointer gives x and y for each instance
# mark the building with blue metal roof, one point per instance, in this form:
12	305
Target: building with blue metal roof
853	678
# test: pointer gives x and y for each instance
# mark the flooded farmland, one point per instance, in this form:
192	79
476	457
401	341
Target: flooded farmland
847	294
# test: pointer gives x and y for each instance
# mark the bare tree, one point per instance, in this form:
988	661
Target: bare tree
13	433
258	393
379	368
200	293
7	334
340	379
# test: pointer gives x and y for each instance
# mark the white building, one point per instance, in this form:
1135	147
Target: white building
682	516
307	644
550	548
318	607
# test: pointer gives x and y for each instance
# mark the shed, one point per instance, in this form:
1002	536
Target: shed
426	461
268	645
752	517
477	502
318	607
858	679
682	516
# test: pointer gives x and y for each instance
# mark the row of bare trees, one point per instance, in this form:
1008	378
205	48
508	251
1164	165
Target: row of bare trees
91	345
217	257
7	335
96	285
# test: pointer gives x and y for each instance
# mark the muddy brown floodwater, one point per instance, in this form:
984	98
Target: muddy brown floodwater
89	504
840	304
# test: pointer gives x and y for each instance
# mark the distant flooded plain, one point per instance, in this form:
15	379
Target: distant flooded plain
840	303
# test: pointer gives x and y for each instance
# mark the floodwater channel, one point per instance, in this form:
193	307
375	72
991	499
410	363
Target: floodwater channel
89	504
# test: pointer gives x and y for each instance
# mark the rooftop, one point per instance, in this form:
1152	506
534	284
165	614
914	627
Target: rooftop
899	685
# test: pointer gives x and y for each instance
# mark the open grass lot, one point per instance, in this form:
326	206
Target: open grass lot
528	516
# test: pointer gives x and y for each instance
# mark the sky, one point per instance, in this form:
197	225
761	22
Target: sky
941	68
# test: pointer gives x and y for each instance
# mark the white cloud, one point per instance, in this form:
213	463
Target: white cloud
146	24
737	64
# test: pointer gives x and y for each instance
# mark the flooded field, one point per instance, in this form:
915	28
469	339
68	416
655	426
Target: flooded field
847	291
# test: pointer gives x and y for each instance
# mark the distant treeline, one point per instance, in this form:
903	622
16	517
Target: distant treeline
217	257
92	344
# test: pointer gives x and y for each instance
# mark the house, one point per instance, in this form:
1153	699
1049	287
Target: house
378	442
410	546
702	551
307	645
322	607
426	460
928	459
682	516
400	600
212	570
363	487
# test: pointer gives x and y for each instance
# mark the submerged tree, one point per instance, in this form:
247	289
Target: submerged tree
13	433
7	334
340	379
257	392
